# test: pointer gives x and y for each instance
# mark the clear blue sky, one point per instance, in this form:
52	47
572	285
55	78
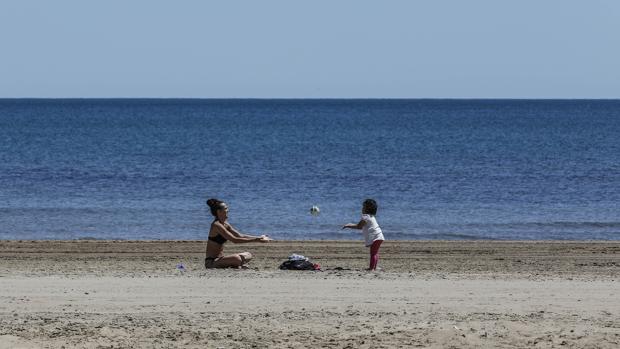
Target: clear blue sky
264	49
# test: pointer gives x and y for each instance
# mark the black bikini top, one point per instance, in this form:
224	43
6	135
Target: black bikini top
218	239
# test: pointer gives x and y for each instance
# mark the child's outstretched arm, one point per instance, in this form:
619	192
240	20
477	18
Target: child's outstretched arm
358	226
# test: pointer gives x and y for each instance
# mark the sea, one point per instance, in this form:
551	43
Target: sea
142	169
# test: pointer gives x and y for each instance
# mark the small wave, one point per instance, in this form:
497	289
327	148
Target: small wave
440	236
582	224
88	238
459	236
558	224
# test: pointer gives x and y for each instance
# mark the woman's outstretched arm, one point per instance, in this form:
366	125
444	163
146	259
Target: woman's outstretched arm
236	232
236	237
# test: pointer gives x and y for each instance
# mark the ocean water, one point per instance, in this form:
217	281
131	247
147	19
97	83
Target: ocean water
439	169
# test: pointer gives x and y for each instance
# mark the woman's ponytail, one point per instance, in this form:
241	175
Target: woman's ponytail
214	205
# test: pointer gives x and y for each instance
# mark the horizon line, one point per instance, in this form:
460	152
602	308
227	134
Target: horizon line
314	98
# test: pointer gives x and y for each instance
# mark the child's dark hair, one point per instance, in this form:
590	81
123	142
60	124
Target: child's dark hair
370	207
214	205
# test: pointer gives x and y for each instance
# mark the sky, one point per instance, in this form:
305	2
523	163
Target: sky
310	49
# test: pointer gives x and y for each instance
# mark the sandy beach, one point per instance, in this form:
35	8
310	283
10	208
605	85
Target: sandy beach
442	294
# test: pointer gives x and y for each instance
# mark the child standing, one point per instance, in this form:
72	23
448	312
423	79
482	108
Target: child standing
371	230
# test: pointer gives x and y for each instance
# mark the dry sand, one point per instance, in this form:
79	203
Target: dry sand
103	294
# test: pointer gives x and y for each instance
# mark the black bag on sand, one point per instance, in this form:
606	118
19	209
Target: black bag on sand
299	265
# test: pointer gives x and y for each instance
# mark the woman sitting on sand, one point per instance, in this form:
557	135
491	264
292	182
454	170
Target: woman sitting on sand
220	232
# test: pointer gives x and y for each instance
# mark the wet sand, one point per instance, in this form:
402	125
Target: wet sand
102	294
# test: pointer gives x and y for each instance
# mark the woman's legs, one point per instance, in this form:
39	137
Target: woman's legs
233	261
374	254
